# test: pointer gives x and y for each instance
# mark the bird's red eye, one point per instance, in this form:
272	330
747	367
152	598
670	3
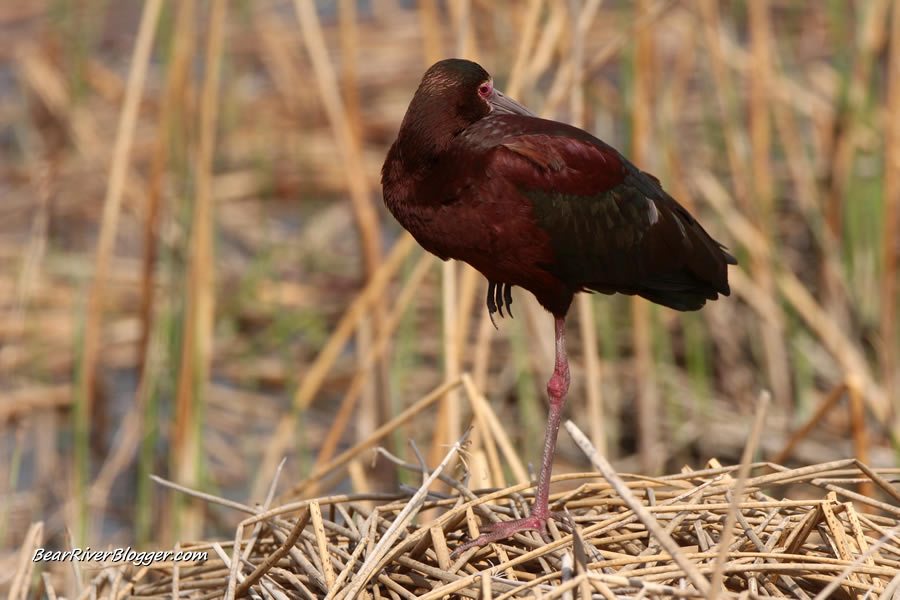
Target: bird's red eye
484	90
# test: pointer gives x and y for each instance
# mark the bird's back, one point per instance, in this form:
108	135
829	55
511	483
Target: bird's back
549	207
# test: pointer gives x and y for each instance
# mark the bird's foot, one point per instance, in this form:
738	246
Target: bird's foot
498	295
492	303
505	529
507	298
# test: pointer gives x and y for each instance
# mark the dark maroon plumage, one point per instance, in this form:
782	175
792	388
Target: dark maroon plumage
541	205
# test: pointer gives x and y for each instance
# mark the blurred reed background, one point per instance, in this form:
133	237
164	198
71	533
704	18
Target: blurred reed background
199	278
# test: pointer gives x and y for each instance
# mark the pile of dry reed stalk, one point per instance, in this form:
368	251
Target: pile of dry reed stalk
723	531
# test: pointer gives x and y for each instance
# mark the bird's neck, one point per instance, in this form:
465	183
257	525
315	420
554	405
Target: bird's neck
424	137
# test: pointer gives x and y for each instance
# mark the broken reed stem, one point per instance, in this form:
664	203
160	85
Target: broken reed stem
798	562
828	402
645	517
737	494
108	228
374	559
834	583
282	551
857	419
379	433
498	433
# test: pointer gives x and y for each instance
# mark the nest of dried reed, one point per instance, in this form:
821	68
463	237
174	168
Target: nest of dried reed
717	532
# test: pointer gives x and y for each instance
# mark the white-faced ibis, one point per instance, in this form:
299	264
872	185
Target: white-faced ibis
541	205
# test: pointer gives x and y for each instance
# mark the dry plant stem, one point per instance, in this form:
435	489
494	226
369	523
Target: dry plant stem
737	494
382	431
431	31
112	203
711	28
21	577
40	172
446	426
182	51
254	535
376	403
466	43
869	35
546	44
197	344
523	51
484	446
347	19
202	495
273	558
373	561
858	429
772	330
498	433
326	82
890	591
652	525
582	17
832	336
837	581
350	148
377	349
315	376
538	570
315	511
773	335
828	402
649	448
883	483
891	216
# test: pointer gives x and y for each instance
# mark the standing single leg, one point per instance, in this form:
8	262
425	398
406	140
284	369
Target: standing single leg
557	388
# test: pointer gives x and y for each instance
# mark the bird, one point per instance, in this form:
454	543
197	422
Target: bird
545	206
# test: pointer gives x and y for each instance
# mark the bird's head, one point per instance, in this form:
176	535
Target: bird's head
454	93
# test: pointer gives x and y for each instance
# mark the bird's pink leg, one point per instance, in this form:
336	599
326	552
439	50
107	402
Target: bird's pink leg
557	388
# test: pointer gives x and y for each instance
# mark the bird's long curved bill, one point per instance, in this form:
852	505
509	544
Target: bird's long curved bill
507	106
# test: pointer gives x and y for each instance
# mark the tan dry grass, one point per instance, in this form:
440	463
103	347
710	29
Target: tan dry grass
633	536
